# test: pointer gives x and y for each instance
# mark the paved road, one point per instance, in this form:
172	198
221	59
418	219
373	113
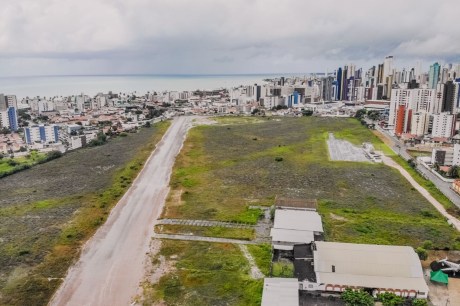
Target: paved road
112	262
399	148
390	162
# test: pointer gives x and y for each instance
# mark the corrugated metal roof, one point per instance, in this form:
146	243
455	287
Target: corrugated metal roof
367	265
280	292
293	236
298	220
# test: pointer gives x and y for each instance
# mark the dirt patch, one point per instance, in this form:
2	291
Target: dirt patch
337	217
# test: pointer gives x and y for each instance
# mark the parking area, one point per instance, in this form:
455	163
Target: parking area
344	150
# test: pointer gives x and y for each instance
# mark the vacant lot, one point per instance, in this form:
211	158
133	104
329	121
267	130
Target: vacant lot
46	212
224	168
204	274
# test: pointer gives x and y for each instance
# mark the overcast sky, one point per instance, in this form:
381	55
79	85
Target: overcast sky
48	37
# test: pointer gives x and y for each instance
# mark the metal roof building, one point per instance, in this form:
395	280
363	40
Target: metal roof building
295	227
381	267
280	292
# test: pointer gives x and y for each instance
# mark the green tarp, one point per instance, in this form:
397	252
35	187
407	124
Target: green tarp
439	277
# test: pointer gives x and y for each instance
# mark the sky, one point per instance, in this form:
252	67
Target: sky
92	37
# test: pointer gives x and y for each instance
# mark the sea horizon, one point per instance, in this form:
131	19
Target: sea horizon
68	85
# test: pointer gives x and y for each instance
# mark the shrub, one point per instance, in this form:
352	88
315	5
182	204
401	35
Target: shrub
422	253
419	302
278	159
357	298
390	299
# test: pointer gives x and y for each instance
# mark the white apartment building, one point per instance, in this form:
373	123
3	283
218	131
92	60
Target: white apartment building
398	97
419	123
42	133
443	125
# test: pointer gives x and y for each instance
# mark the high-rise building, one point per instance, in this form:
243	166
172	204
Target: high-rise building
433	76
448	101
387	66
443	125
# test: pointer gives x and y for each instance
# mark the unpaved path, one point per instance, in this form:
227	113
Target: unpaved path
205	223
390	162
112	262
201	238
255	272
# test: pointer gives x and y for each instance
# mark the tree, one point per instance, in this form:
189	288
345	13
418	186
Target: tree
390	299
5	131
454	172
373	115
360	113
357	298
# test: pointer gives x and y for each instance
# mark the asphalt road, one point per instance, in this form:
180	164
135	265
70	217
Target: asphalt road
399	148
112	262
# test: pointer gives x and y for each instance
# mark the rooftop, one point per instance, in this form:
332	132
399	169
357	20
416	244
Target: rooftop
374	266
298	220
280	292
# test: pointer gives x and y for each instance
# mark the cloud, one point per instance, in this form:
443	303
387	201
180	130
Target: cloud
217	36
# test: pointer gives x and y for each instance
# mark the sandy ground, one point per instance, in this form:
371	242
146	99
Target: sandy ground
112	263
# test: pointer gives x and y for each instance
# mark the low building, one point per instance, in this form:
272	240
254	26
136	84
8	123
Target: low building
379	268
280	292
293	227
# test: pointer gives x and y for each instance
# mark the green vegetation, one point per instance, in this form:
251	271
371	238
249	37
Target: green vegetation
262	255
357	298
49	211
429	186
390	299
204	274
207	231
10	166
221	171
283	269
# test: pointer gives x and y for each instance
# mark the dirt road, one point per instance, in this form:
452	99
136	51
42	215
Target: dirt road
112	262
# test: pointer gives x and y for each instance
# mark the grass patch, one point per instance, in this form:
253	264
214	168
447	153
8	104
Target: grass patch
283	269
9	166
262	254
222	170
205	274
207	231
44	234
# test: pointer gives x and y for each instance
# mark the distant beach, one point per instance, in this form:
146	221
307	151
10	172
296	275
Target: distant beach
50	86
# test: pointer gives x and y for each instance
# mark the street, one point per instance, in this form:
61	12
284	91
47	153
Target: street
112	262
399	148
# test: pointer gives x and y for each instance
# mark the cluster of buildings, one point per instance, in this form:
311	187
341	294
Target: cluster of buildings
328	268
68	123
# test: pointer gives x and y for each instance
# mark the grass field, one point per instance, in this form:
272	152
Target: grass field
224	168
48	211
205	274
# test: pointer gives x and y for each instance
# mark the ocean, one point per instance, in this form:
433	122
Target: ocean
50	86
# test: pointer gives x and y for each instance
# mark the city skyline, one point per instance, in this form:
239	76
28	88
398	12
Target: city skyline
204	37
